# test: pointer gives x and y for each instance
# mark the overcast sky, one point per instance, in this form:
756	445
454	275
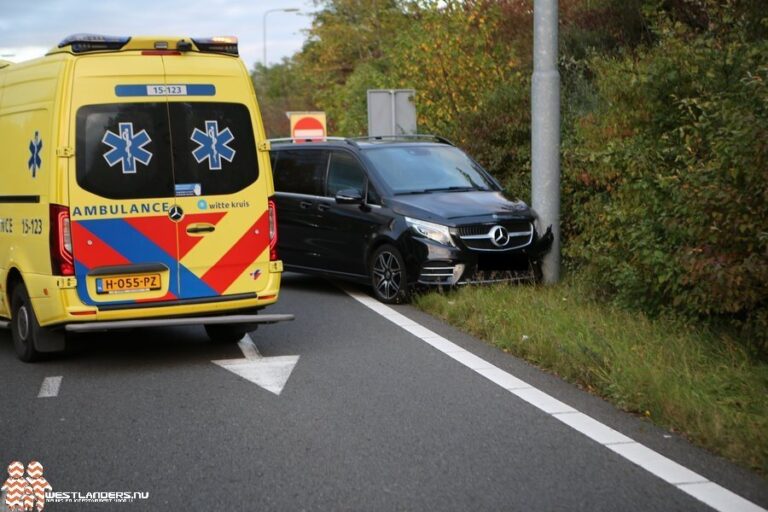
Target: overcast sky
29	28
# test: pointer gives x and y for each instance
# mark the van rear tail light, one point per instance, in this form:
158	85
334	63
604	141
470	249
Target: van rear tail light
62	262
272	231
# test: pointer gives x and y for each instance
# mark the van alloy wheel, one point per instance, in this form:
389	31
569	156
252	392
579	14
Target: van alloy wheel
388	276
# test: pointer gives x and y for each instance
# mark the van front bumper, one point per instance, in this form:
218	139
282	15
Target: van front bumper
433	264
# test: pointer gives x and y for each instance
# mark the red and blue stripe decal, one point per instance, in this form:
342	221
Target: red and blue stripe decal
126	241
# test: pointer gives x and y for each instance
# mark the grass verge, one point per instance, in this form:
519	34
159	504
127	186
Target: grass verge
685	379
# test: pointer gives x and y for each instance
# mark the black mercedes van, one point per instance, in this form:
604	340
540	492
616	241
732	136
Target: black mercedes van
399	212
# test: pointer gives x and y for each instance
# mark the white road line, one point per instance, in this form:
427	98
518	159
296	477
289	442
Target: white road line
691	483
50	387
249	347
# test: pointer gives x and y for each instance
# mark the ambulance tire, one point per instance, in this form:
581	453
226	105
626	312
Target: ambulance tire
225	333
24	326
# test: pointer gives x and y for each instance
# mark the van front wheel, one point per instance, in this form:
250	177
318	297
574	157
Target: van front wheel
24	326
388	277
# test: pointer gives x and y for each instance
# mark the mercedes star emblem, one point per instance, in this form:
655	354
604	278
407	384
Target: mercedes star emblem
176	213
499	236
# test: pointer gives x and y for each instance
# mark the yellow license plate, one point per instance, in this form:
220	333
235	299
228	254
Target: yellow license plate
126	284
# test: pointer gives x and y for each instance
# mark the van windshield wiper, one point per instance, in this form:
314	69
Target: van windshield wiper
411	192
453	189
439	189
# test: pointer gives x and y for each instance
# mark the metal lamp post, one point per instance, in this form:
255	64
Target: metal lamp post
264	31
545	131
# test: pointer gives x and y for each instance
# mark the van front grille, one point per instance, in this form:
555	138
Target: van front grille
502	236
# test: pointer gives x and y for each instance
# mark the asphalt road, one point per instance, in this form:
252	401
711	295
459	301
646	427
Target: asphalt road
371	418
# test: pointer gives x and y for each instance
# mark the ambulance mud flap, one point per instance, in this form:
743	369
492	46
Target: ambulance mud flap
50	340
245	320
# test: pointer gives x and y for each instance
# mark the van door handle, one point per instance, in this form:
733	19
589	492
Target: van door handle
305	204
194	229
323	207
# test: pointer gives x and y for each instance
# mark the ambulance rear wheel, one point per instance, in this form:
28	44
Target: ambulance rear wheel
225	333
24	326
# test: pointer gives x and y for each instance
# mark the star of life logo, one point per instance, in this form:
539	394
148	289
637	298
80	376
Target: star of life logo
33	492
35	159
127	148
213	145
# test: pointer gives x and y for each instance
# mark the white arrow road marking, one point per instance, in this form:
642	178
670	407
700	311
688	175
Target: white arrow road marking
50	387
717	497
271	373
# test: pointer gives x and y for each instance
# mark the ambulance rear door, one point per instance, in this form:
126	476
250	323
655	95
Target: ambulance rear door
122	193
219	184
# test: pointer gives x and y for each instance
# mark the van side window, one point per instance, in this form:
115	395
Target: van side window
123	150
300	171
344	172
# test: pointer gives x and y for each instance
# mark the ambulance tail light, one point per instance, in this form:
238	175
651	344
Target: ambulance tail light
272	231
220	44
62	261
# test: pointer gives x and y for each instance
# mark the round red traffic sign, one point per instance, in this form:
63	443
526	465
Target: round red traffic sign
308	129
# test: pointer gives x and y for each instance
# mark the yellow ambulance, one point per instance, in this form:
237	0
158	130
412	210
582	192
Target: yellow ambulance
135	190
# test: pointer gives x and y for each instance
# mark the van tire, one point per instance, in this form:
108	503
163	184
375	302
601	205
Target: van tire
25	330
389	279
225	333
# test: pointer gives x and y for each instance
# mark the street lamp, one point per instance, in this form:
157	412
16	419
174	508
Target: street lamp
264	23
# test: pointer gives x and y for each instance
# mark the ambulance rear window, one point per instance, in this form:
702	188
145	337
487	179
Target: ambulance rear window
153	150
213	147
122	150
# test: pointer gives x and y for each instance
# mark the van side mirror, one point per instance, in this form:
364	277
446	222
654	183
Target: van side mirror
349	196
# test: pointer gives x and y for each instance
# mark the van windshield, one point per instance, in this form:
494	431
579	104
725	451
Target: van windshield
417	169
152	150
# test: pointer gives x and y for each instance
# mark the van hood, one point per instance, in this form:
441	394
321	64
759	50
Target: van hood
455	208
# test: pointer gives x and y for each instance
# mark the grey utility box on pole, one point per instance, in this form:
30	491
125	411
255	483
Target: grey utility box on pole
545	131
391	112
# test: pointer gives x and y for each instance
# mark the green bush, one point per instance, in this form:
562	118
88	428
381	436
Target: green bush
665	128
668	178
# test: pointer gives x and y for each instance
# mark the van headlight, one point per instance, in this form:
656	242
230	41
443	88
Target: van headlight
437	232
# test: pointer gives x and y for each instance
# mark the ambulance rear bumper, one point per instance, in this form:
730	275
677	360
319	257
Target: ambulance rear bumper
245	320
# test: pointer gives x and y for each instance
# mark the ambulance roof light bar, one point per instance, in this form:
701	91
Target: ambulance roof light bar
217	44
81	43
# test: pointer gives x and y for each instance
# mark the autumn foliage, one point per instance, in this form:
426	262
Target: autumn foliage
665	128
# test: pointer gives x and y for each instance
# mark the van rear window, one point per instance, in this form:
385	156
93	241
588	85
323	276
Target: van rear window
152	150
122	150
213	146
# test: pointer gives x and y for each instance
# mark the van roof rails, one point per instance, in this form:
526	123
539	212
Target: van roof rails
5	63
291	140
370	138
84	43
411	136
